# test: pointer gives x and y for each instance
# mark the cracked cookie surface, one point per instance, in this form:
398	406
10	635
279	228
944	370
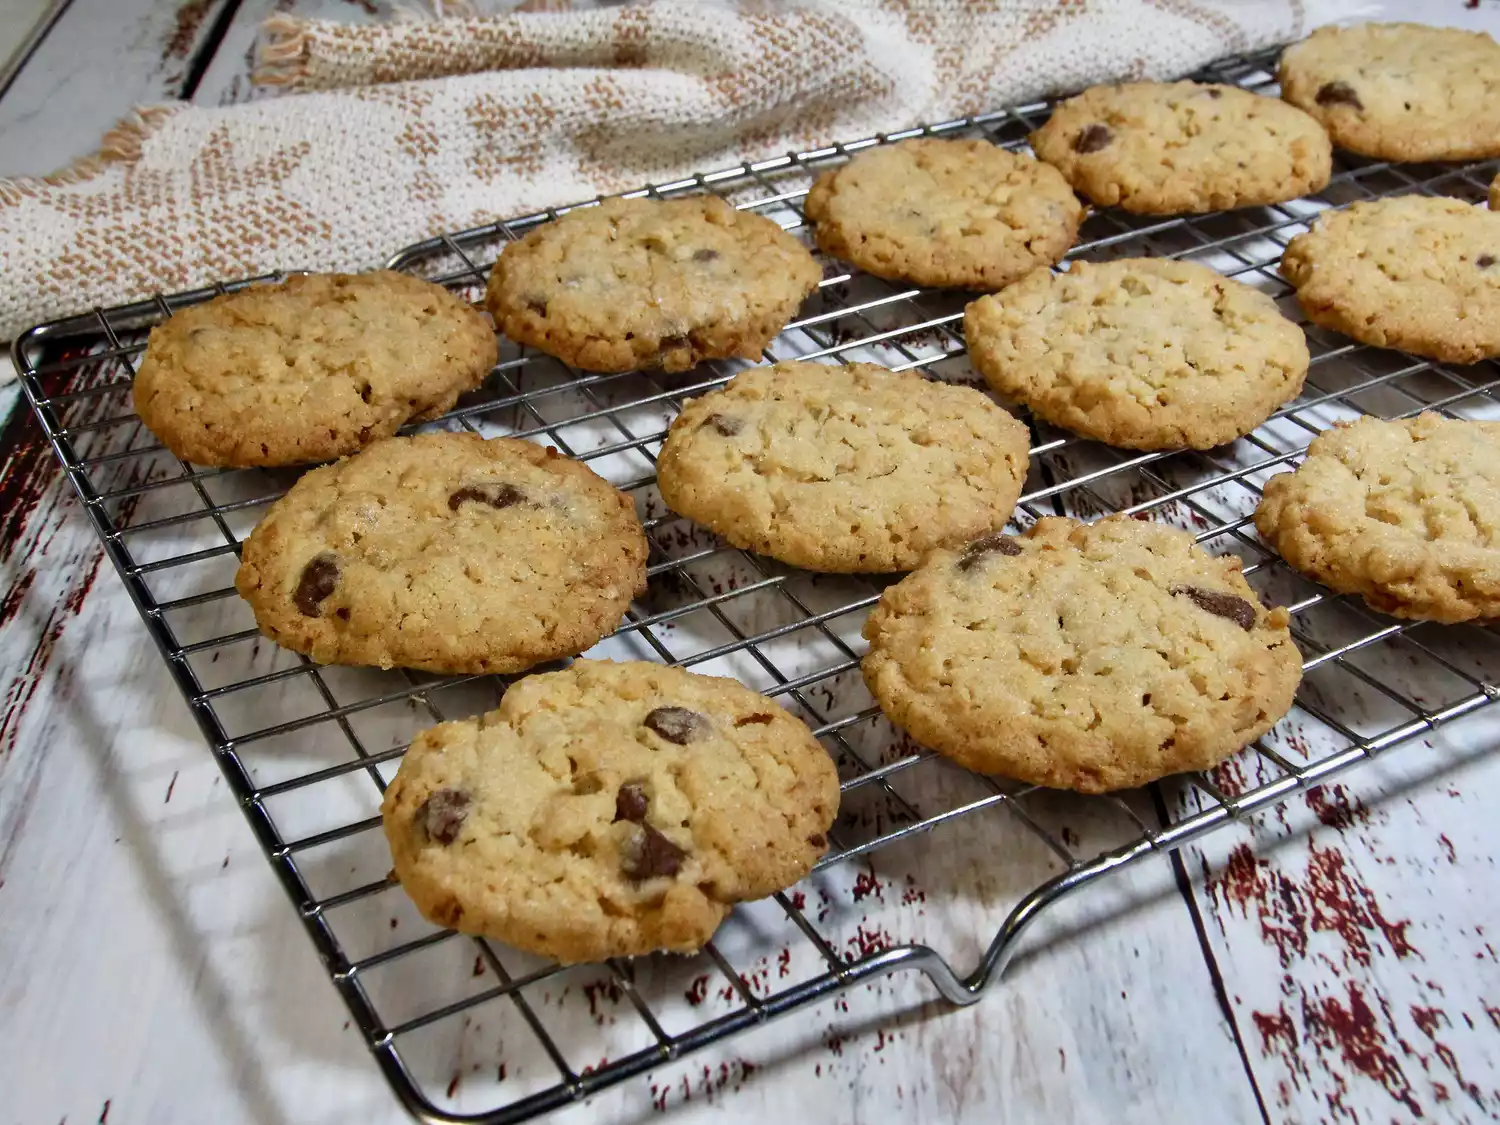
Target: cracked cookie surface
445	552
308	370
1404	513
1141	353
636	283
1171	148
966	214
1081	656
1399	91
843	468
1412	272
609	810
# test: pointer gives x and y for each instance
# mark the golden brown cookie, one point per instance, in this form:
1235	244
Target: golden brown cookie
310	369
634	283
1399	91
1081	656
1404	513
609	810
966	214
1412	272
445	552
1170	148
1145	353
844	468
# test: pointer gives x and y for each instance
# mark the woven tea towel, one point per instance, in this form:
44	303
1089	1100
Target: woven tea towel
398	131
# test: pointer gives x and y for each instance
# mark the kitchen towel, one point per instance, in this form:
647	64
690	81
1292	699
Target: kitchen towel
383	135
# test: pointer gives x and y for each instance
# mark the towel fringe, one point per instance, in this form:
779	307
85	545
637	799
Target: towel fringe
281	54
121	145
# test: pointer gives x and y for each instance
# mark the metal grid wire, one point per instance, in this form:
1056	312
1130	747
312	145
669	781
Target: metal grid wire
308	749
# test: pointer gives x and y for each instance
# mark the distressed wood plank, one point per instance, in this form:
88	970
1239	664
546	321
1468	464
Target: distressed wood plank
100	59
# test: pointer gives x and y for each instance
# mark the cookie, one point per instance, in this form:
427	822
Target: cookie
1495	194
1399	91
310	369
1404	513
445	552
1412	272
1081	656
609	810
965	214
634	283
1145	353
843	468
1172	148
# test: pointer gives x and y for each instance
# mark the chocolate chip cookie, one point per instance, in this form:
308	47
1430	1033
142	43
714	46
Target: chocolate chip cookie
966	214
1399	91
1404	513
310	369
1171	148
635	283
1145	353
1081	656
445	552
1412	272
609	810
844	468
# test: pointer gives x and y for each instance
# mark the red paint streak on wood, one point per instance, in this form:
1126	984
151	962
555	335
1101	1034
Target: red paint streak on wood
1360	1040
698	991
188	20
453	1084
103	1114
171	785
1277	1031
1426	1019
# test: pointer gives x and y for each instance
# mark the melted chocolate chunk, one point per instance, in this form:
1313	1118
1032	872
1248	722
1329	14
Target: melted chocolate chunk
537	305
1235	608
726	424
1093	138
497	496
1338	93
1215	93
995	543
443	813
1485	261
648	854
319	577
631	803
676	724
818	840
754	720
705	255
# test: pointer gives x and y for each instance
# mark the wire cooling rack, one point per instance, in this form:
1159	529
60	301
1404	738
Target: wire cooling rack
469	1030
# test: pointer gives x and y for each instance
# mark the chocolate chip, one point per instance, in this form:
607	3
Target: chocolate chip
1485	261
1235	608
1093	138
668	343
319	577
631	803
443	813
1338	93
648	854
995	543
1215	93
705	255
537	305
676	724
754	720
726	424
497	496
818	840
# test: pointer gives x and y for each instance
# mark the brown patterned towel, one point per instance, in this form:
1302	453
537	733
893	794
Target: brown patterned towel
403	130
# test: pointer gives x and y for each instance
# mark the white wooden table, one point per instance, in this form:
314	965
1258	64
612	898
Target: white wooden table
1340	962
